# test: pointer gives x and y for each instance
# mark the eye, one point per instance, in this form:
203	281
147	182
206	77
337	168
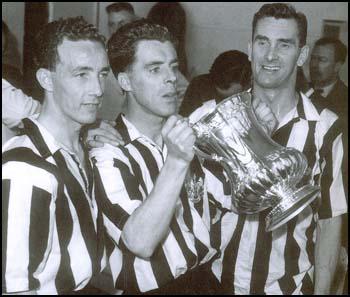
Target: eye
284	45
104	75
81	75
154	70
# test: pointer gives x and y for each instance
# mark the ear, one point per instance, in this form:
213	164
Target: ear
124	81
337	66
304	53
250	51
44	77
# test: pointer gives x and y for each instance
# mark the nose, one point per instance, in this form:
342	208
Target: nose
271	53
171	76
96	87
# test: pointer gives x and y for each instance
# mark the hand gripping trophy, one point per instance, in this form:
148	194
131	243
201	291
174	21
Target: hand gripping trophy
263	174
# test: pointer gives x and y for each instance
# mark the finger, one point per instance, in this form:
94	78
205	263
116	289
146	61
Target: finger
169	124
107	139
94	144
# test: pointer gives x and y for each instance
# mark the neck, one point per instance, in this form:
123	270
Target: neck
281	101
146	122
64	131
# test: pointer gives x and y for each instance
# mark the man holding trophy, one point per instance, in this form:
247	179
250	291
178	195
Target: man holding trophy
300	256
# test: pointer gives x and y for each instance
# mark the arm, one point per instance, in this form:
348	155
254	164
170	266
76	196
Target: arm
16	105
26	219
152	219
326	253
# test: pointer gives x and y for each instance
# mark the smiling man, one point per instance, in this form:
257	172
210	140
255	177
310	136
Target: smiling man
300	256
52	228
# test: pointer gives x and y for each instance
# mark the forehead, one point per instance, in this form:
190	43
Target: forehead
120	15
148	51
277	28
82	53
323	50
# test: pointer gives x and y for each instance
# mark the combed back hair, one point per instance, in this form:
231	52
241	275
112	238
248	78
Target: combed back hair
119	6
283	11
231	66
340	49
52	35
122	45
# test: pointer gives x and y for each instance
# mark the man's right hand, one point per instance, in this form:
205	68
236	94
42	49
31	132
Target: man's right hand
179	138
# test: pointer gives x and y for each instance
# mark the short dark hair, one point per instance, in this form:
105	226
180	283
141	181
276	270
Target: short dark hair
283	11
230	66
122	45
340	49
119	6
52	35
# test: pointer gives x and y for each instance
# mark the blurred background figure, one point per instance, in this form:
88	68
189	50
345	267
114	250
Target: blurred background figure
229	74
327	58
10	71
119	14
173	16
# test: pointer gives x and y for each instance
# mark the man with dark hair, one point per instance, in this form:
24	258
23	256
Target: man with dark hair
119	14
229	74
159	227
52	227
300	256
327	58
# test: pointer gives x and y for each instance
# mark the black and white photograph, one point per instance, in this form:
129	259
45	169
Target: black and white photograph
174	148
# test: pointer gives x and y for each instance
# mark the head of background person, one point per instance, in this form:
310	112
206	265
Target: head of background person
173	16
144	60
327	57
230	73
119	14
72	66
278	45
5	35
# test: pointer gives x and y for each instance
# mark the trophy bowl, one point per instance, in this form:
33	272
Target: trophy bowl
262	173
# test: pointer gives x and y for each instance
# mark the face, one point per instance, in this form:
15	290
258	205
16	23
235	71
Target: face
118	19
275	52
78	80
323	67
153	78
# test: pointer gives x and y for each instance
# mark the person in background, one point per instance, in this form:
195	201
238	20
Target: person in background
53	236
301	256
229	74
328	90
119	14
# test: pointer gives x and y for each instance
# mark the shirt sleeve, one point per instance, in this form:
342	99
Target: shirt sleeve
118	189
27	222
16	105
333	192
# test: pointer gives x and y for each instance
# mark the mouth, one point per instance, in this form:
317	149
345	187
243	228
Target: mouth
270	68
170	95
91	105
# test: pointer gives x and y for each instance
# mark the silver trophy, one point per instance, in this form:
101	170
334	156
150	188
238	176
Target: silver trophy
262	173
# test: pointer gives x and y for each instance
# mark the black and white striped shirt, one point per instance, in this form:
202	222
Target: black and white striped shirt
125	177
282	262
51	225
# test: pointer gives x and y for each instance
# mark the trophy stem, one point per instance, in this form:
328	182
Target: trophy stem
290	206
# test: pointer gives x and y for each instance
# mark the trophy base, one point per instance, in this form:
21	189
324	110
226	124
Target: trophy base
283	211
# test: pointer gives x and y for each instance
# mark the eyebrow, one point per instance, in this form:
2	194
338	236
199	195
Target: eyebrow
85	68
285	40
156	63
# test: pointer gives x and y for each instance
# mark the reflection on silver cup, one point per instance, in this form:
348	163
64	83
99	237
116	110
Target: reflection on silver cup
262	173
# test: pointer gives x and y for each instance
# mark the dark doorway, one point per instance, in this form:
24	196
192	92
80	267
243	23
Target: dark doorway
35	16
